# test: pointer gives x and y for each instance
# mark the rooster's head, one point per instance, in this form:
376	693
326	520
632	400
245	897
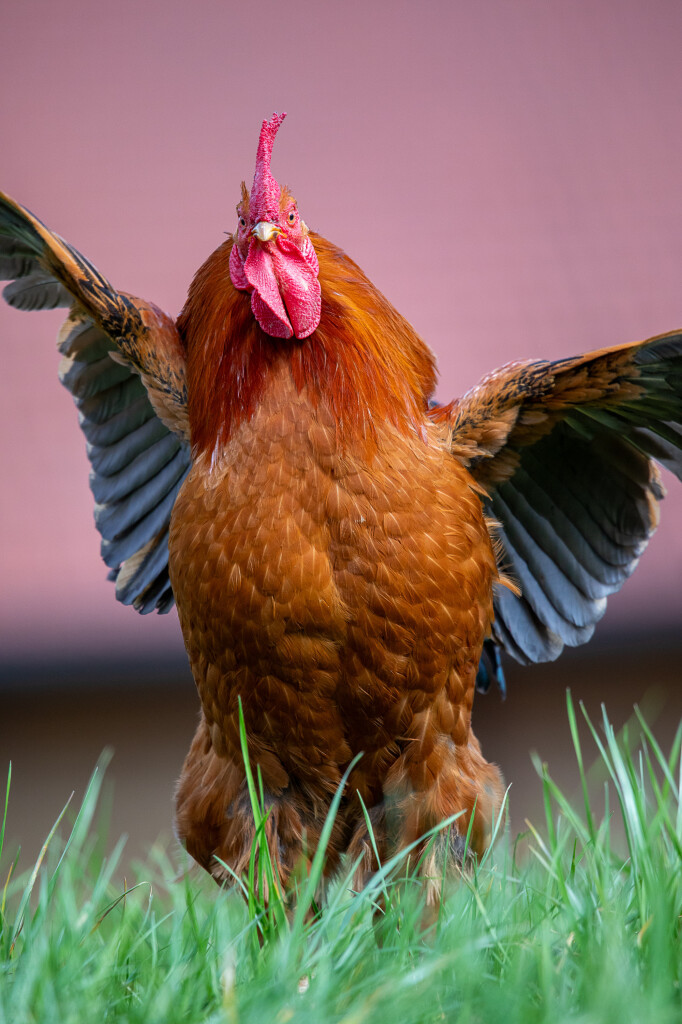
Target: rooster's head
272	256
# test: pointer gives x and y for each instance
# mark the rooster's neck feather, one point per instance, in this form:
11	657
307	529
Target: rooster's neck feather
364	362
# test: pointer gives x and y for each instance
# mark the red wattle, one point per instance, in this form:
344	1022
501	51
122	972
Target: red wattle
285	292
266	301
237	275
296	273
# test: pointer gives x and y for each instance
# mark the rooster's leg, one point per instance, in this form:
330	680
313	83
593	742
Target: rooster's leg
215	820
455	780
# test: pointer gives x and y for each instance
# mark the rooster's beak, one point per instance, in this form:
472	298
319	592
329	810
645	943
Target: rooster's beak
265	230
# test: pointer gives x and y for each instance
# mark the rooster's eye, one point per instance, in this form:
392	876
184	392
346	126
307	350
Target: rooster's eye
292	217
242	222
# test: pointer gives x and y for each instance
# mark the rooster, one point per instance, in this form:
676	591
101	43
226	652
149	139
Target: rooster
339	548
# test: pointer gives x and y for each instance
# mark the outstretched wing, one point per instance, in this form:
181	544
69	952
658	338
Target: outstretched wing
564	452
123	362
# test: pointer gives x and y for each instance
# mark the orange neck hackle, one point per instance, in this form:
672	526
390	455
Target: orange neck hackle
364	362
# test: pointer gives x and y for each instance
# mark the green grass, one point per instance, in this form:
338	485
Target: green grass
577	921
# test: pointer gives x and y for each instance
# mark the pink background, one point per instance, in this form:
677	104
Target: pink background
509	174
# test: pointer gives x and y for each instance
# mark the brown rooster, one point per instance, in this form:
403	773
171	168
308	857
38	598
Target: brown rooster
271	462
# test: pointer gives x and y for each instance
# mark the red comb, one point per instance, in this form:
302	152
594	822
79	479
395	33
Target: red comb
265	193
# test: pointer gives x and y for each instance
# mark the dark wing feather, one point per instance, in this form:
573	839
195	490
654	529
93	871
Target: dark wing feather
123	363
564	451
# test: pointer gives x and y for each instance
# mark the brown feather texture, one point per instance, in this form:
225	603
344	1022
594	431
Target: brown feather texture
345	598
332	567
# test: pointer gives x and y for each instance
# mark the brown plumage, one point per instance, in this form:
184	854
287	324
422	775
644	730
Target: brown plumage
330	539
298	558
